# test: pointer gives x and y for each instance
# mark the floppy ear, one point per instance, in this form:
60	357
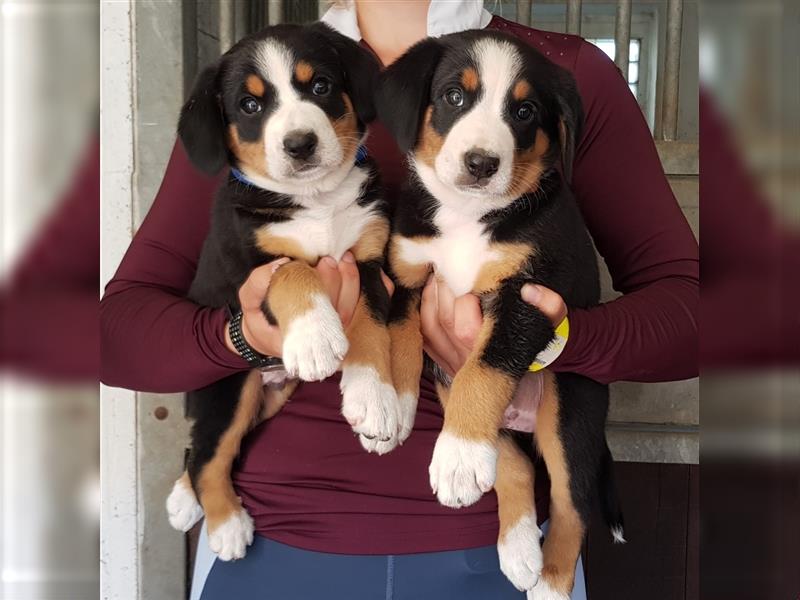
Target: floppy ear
360	71
404	91
201	126
570	121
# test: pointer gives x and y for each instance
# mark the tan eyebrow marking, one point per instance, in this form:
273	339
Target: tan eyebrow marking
303	71
254	85
470	79
521	90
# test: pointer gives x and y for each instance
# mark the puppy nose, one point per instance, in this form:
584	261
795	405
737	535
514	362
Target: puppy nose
300	144
481	164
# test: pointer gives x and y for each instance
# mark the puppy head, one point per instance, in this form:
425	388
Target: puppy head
286	106
482	114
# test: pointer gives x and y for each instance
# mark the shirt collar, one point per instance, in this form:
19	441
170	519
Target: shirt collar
444	16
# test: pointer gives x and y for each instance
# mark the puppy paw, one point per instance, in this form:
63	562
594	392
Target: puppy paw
315	343
407	403
520	553
230	539
544	591
182	506
461	470
370	406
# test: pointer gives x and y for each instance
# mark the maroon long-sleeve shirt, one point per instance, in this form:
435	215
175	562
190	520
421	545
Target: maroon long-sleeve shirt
302	475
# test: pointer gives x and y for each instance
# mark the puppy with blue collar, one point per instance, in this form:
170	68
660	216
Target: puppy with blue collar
286	109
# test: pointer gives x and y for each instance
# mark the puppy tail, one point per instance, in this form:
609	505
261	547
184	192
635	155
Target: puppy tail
609	500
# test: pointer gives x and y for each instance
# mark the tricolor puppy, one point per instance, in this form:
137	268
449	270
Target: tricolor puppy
487	121
286	109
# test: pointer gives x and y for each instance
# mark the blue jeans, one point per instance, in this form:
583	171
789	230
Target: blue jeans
275	571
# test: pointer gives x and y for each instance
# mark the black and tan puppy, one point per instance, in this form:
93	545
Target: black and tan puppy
286	109
486	121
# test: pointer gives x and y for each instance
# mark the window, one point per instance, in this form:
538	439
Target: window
608	46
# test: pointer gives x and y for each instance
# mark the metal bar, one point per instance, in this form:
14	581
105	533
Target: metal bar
672	63
524	12
227	25
622	36
574	8
275	14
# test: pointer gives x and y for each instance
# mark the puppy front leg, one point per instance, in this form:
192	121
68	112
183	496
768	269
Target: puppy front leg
230	528
314	342
464	461
369	401
406	335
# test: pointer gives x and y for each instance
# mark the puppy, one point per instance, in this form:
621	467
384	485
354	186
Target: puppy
486	120
286	109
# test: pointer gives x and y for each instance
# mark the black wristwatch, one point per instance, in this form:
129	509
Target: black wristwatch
253	357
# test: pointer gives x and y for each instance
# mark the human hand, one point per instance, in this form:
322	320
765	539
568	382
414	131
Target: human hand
450	325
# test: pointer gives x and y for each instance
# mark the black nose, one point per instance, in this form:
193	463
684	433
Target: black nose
300	144
481	164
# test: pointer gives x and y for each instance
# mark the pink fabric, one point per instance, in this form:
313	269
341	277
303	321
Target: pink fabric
521	414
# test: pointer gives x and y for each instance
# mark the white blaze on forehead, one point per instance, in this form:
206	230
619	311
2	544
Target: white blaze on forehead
276	63
499	65
484	125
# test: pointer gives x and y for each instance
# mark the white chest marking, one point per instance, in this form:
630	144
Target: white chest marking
330	222
457	255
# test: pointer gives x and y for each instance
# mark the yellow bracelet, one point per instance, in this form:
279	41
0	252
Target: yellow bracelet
554	348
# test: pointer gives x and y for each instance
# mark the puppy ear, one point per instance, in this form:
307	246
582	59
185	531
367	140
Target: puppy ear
201	126
570	121
360	71
404	91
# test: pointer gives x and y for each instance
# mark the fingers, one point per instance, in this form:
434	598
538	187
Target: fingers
328	270
350	289
446	304
437	343
447	320
387	283
468	319
254	289
546	300
257	331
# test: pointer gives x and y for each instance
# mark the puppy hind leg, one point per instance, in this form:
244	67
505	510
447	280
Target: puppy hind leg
230	528
406	354
562	545
183	508
519	545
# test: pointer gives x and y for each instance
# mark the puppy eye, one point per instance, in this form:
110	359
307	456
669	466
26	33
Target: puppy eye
250	105
525	111
321	86
454	97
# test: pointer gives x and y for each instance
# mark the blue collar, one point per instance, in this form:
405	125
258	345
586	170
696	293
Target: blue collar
361	158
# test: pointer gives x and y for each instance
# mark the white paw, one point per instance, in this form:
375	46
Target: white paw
461	470
521	553
182	506
543	591
231	539
315	343
408	411
371	407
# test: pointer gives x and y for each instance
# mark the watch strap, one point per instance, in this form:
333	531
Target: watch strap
253	357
